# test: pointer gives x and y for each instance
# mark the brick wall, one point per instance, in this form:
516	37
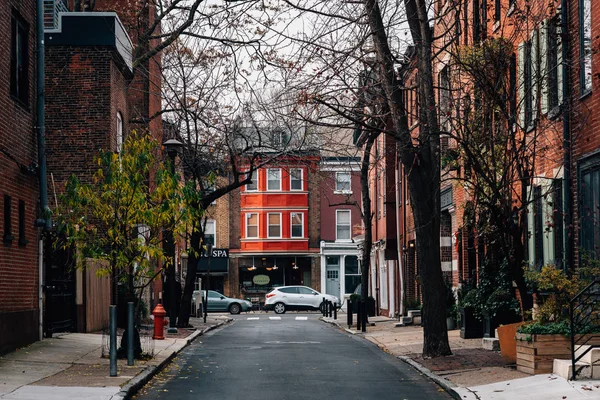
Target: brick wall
84	92
18	146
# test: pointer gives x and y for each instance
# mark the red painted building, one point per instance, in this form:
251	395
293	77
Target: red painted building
275	228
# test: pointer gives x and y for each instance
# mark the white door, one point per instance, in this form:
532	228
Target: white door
332	271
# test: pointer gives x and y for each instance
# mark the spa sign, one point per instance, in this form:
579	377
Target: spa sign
261	280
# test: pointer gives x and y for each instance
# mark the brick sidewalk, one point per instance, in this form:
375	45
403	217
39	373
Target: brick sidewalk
462	359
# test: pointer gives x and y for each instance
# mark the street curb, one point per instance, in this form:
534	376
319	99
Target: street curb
443	383
135	384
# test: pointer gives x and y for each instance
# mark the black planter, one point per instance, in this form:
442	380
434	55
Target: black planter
470	327
502	318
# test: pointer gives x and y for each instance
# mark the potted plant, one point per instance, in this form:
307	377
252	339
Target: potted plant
451	308
547	337
500	308
471	326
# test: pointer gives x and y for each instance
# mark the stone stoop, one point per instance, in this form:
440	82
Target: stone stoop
588	367
564	368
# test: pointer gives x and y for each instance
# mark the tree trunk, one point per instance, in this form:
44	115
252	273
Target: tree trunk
427	225
422	160
366	216
190	280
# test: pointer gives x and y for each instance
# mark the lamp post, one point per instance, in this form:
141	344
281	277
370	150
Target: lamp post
209	248
172	147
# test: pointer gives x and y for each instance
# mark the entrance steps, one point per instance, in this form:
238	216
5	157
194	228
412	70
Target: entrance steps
587	368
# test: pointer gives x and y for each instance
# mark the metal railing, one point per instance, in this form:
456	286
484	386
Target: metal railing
584	314
52	9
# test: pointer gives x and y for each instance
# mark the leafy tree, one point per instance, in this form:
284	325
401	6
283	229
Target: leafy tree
119	217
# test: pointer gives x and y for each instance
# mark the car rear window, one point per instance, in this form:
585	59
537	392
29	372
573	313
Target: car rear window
288	290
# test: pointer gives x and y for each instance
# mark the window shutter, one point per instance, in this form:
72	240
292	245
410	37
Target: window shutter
544	68
521	84
535	74
559	60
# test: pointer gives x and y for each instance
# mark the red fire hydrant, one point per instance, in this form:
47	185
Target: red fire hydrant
159	321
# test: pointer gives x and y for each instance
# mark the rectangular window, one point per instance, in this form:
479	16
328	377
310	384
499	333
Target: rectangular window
19	59
22	237
296	179
251	225
538	221
352	274
585	45
342	224
557	220
342	182
513	88
527	82
274	225
253	186
210	233
273	179
497	10
7	236
590	209
553	65
297	225
444	96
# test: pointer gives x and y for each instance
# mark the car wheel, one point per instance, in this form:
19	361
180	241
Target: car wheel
235	308
279	308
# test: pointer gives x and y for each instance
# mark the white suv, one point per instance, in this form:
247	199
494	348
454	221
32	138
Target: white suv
285	298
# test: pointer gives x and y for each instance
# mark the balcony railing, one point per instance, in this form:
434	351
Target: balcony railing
52	9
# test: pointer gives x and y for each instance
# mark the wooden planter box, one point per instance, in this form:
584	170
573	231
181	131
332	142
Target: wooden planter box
536	353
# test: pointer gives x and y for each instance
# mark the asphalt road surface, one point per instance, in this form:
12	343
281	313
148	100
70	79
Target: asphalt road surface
291	356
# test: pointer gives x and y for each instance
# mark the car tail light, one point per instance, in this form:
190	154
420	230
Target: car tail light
269	295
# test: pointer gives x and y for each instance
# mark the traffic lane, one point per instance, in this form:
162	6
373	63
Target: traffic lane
288	359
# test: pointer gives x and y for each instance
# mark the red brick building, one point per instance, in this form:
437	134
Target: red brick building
341	225
19	193
275	225
87	80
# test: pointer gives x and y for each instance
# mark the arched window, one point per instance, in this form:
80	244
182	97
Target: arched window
119	132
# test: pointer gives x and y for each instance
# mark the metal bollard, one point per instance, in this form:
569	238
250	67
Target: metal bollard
324	310
113	341
334	310
364	315
349	315
358	315
130	334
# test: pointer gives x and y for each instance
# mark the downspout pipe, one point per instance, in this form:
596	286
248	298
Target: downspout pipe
566	94
44	221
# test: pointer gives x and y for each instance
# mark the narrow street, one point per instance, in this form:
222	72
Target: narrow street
292	356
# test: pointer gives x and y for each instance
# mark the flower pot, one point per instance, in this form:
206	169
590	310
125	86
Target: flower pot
450	323
508	342
470	326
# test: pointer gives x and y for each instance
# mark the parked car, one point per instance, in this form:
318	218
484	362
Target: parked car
284	298
219	302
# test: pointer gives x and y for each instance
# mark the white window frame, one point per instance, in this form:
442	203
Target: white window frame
269	226
301	179
119	138
248	215
269	180
254	182
337	181
338	225
292	225
211	223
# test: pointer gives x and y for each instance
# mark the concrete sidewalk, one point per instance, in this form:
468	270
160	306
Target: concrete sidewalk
471	373
70	366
